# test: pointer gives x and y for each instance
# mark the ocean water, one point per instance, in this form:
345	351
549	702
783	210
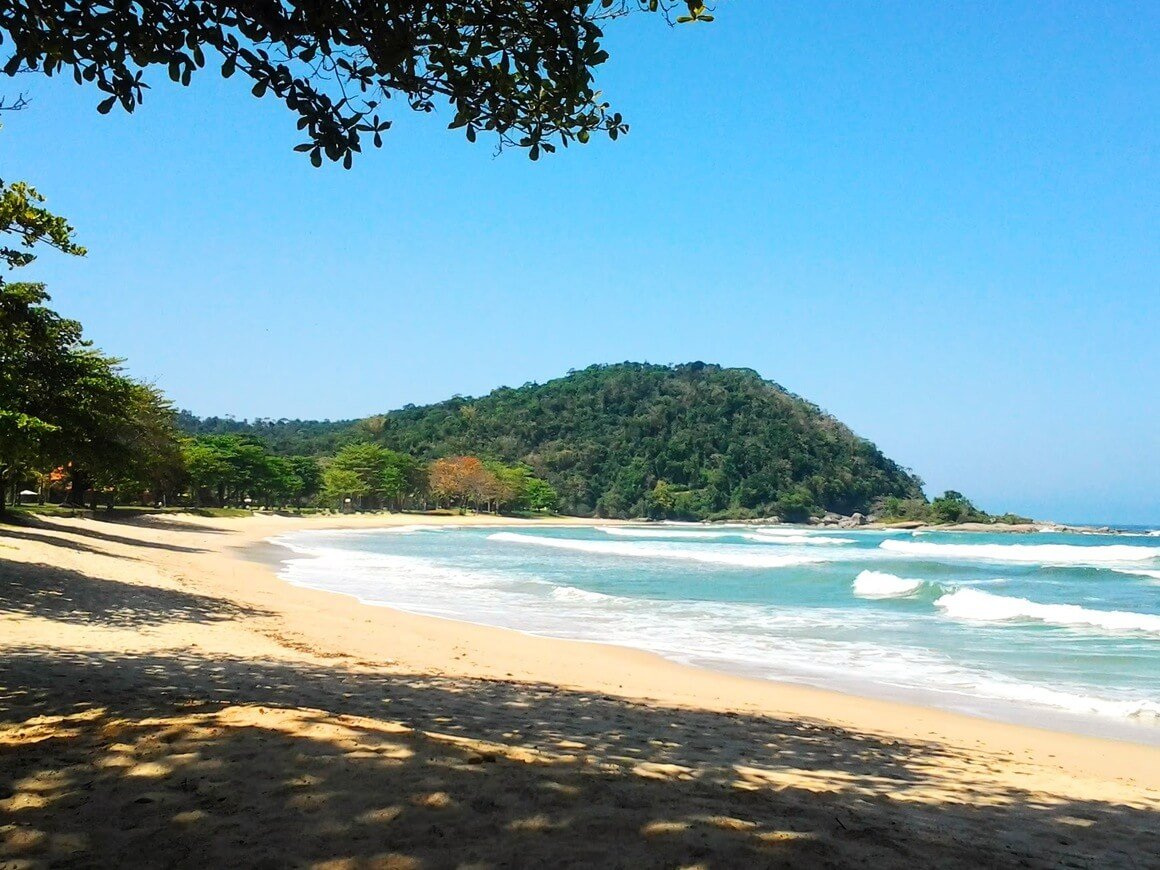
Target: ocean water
1053	629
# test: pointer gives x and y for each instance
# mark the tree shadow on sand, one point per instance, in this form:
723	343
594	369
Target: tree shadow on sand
183	760
63	542
84	531
164	523
50	592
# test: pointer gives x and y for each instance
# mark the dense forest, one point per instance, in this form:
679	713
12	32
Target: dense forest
690	441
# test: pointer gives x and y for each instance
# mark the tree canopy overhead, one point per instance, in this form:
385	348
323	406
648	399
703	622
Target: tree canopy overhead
521	70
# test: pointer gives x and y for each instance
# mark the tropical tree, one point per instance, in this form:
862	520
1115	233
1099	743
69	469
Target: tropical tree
520	70
540	496
36	355
307	470
954	507
278	483
339	484
460	481
235	467
65	404
150	467
23	216
455	480
387	478
207	462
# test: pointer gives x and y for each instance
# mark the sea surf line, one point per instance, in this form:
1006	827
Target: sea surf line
1062	627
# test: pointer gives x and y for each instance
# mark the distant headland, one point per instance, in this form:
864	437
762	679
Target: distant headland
694	441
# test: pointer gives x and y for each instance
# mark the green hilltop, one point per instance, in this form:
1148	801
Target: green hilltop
688	441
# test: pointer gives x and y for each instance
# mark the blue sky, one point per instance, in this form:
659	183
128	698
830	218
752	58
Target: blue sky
940	224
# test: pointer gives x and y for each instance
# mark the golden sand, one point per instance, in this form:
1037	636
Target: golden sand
164	702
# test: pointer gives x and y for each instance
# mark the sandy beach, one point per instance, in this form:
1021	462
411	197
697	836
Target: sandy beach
166	700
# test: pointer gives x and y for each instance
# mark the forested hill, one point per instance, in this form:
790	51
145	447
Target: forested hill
285	437
634	439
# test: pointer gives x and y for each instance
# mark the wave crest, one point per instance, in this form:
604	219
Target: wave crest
1044	554
977	606
879	584
645	550
572	593
760	537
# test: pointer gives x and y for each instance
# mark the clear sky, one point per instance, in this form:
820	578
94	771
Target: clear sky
937	221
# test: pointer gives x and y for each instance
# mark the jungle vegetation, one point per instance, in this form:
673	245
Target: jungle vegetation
691	441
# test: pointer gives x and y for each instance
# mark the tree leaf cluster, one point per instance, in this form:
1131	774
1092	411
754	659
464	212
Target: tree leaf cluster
23	216
519	70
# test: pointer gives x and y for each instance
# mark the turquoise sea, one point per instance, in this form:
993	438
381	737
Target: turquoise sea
1054	629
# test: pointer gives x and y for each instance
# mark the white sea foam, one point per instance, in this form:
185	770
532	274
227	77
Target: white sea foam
668	534
1042	554
1140	710
802	539
978	606
646	550
334	563
760	537
796	536
793	532
571	593
878	584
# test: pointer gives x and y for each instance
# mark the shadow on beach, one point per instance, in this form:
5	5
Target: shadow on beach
49	592
185	760
26	528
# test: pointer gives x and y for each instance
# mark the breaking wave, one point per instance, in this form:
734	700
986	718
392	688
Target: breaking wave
571	593
760	537
878	584
644	550
1043	554
978	606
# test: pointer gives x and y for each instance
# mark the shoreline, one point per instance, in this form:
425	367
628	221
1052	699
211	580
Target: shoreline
274	555
179	601
793	698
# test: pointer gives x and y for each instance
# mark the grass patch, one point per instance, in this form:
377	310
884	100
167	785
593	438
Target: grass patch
45	510
217	512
